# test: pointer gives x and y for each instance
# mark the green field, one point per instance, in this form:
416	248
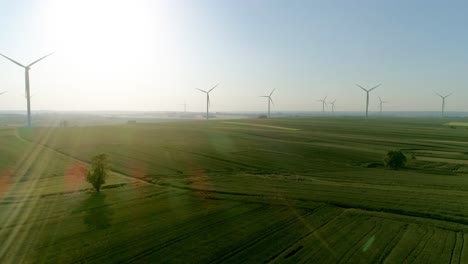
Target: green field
287	190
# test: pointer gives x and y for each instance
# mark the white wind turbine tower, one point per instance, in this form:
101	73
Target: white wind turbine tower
323	104
185	107
269	101
207	99
381	103
367	96
30	96
26	69
333	106
443	102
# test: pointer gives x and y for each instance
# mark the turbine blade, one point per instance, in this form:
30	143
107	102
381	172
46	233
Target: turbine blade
272	91
213	87
374	87
40	59
439	94
3	92
271	100
362	87
264	96
448	95
380	99
325	98
201	90
15	62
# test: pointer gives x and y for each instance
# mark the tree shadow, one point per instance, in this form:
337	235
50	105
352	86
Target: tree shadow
97	214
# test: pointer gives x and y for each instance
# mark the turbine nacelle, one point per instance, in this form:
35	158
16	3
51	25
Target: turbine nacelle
381	101
368	90
443	97
28	67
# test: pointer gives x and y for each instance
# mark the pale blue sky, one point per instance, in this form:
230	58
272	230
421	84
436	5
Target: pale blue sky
150	55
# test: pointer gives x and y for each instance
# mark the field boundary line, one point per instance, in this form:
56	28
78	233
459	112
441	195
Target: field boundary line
260	125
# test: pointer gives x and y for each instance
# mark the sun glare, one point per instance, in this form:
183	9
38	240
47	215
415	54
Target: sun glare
104	30
108	47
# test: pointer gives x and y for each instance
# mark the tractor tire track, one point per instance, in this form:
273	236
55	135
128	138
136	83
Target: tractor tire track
142	240
393	244
423	242
312	232
146	236
150	251
350	252
272	230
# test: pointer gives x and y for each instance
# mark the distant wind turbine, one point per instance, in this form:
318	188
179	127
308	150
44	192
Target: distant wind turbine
333	106
443	102
207	99
323	104
269	100
26	69
381	103
367	96
185	107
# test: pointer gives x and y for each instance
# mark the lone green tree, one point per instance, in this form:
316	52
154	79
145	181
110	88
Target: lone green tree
395	159
97	174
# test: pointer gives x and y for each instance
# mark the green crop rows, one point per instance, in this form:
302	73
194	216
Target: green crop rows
289	190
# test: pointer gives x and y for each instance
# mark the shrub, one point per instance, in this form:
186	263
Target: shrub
395	159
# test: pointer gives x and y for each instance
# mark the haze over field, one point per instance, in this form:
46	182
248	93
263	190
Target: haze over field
150	55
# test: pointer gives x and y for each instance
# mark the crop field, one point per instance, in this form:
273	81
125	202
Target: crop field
286	190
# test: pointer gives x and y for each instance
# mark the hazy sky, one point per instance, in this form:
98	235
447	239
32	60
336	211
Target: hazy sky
150	55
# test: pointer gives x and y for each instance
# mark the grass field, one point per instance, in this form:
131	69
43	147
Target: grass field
288	190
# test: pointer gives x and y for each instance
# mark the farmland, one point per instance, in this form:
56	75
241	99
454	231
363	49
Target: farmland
286	190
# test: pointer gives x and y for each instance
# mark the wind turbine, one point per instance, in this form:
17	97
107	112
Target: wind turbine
207	99
333	106
367	98
26	70
185	107
381	103
443	102
323	104
269	100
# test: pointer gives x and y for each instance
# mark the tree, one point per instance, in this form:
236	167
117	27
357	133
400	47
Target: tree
395	159
100	166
